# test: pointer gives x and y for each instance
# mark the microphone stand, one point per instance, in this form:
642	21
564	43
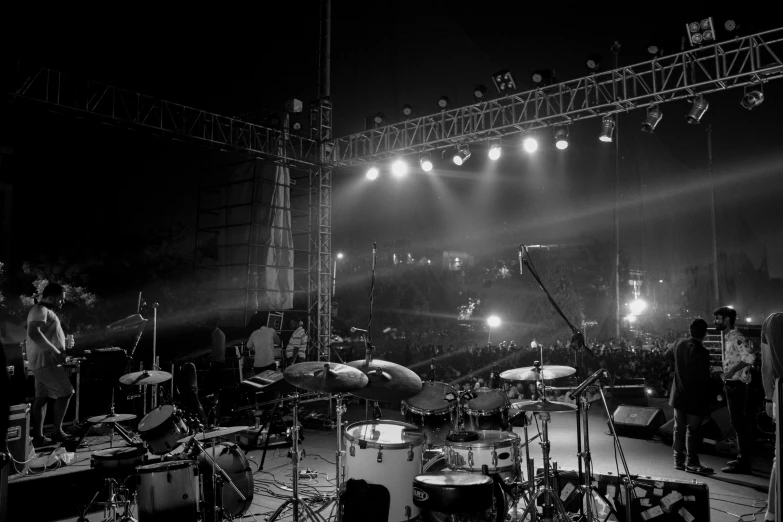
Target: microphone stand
368	348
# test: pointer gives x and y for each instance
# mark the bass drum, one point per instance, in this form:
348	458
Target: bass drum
234	462
438	465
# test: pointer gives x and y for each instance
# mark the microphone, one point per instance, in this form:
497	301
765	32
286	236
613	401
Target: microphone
521	246
432	371
354	329
588	382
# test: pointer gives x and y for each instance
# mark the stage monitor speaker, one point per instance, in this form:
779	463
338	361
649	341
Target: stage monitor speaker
658	499
637	421
629	391
18	437
17	373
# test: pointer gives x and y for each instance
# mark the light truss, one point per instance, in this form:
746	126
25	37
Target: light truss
179	121
746	60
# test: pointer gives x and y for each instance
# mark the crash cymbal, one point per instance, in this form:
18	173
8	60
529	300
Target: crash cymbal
325	377
541	406
145	377
389	382
215	433
117	417
529	373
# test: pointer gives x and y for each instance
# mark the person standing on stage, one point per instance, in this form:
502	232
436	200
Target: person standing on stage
46	346
218	355
297	344
263	341
738	357
771	369
690	397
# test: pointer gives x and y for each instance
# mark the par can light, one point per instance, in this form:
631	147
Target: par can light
654	116
607	129
699	107
752	99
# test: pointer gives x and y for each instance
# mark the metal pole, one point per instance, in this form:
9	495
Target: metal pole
713	220
334	275
616	53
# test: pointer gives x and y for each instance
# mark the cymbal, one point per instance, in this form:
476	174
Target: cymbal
529	373
117	417
215	433
389	382
326	377
543	406
145	377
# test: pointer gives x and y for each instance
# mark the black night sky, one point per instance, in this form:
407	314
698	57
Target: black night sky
81	183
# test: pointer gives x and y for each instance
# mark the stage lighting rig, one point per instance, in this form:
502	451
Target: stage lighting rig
461	155
607	129
701	32
503	81
561	138
425	161
399	168
372	173
654	116
530	144
494	151
543	77
479	93
593	62
444	102
699	107
407	110
752	99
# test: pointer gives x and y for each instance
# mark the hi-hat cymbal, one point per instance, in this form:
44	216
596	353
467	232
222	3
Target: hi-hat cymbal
543	406
325	377
145	377
531	373
389	382
116	417
215	433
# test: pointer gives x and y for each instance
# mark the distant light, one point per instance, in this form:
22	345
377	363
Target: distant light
649	391
593	62
503	81
655	47
429	261
443	102
426	163
637	306
699	107
372	173
752	99
730	306
479	92
379	117
494	152
530	144
730	25
660	280
654	116
407	110
630	318
607	128
561	139
493	321
747	319
399	168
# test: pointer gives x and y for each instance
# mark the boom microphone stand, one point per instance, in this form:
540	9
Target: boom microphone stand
368	348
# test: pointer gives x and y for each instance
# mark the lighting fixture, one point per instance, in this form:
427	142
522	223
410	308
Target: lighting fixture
701	32
542	77
730	25
372	173
752	99
461	155
399	168
699	107
530	144
561	138
655	47
493	321
443	102
407	110
593	62
378	118
637	306
296	126
503	81
494	151
654	116
426	162
479	92
607	129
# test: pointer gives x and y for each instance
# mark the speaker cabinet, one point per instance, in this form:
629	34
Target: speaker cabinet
18	439
637	421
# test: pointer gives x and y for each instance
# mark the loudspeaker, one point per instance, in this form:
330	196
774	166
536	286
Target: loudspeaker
637	421
17	373
629	391
18	439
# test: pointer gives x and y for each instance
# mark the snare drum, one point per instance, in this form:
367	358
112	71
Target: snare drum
168	492
162	428
118	463
498	450
430	411
386	453
488	411
234	462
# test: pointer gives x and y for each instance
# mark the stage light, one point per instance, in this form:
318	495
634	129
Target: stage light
561	139
530	144
730	25
399	168
593	62
655	47
747	319
543	77
493	321
607	128
654	116
630	318
699	107
426	162
503	81
461	155
407	110
479	92
443	102
752	99
372	173
339	255
378	118
494	151
637	306
701	32
296	126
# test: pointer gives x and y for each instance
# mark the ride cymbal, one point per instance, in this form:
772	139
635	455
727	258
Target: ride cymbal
544	406
325	377
531	373
145	377
116	417
388	382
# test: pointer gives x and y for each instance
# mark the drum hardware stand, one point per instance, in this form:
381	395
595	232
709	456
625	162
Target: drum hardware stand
111	505
295	501
126	435
270	422
629	483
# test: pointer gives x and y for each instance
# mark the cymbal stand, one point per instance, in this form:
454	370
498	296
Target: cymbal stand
295	501
629	483
339	455
586	489
115	427
119	497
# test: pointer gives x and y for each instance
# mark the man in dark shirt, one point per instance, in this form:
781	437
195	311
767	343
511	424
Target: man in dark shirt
690	397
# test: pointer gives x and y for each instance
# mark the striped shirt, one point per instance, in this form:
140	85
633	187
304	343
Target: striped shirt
298	340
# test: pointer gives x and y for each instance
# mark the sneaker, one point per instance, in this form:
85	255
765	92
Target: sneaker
62	437
735	466
679	462
698	468
39	442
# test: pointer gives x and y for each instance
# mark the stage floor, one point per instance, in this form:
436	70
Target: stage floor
735	494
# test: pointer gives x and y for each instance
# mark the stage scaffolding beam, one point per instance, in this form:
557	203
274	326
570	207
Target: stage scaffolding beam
744	61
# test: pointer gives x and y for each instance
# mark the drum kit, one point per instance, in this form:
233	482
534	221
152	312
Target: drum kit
197	476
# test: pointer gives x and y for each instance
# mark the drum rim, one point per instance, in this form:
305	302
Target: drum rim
138	452
169	464
389	445
161	407
509	439
440	411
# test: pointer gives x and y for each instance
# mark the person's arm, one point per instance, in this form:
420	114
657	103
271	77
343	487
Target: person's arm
747	357
34	331
250	345
276	338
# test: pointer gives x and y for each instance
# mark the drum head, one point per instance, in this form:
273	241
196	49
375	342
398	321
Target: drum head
389	434
489	401
487	438
432	398
125	452
156	417
165	466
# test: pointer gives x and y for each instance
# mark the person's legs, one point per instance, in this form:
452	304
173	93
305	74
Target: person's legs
693	438
60	407
39	412
772	495
678	445
737	400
